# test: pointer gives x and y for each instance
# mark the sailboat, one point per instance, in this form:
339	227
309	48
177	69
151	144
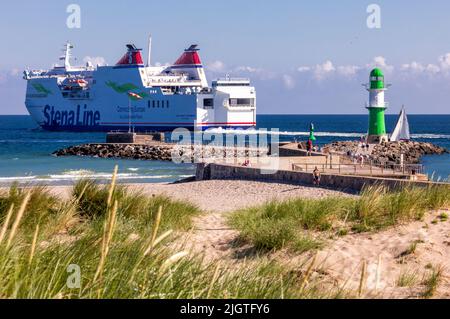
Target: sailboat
401	131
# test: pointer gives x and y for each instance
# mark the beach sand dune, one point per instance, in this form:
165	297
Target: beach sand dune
410	251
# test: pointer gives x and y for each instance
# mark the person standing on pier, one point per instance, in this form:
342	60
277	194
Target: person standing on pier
309	147
316	176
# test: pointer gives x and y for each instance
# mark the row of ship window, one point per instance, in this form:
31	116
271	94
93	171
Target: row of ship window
207	103
158	104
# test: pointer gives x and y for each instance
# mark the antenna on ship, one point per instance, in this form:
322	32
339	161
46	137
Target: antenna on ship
149	50
67	55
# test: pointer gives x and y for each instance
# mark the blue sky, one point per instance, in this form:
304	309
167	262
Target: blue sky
303	56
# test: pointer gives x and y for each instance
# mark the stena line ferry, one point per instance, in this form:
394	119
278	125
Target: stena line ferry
131	95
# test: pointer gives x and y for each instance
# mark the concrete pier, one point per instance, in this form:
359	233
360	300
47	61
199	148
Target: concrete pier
218	171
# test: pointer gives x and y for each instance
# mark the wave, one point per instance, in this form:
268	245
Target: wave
323	134
431	136
96	176
43	141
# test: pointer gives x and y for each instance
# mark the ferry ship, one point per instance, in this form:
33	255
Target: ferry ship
136	97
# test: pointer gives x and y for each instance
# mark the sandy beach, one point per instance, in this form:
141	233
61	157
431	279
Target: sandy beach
340	259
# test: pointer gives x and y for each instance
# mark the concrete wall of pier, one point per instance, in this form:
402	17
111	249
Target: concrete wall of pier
341	182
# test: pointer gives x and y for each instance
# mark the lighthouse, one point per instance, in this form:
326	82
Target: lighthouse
377	107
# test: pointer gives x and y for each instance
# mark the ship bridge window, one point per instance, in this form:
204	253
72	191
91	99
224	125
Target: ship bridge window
208	104
242	102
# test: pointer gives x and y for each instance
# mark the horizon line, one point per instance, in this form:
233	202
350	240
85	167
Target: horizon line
289	114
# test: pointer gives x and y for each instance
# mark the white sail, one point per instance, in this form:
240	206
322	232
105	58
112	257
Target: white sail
401	131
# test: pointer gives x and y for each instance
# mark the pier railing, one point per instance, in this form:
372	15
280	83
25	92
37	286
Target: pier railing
361	169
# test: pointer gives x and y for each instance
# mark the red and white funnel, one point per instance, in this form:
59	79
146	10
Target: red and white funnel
190	57
133	57
189	63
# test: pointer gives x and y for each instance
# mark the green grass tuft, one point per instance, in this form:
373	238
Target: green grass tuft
407	279
276	225
133	205
432	281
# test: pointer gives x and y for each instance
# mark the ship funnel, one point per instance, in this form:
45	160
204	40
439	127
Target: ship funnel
189	63
132	57
189	57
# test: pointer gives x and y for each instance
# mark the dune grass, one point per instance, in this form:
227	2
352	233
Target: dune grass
432	281
110	242
133	205
287	224
407	278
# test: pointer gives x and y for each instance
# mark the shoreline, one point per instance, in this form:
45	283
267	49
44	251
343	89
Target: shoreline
216	195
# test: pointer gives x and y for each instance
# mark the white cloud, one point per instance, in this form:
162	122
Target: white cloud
416	67
260	73
321	71
248	69
288	81
216	66
380	62
304	69
444	61
97	60
348	70
431	68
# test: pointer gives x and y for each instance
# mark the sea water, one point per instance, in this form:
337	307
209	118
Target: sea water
25	149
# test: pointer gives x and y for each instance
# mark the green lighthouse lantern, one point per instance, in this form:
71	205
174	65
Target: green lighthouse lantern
377	107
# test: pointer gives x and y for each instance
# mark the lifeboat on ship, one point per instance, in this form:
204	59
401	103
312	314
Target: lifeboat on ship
74	84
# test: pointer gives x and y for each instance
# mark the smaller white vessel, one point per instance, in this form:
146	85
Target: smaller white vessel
401	131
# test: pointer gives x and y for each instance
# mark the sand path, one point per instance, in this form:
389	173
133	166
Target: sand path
212	236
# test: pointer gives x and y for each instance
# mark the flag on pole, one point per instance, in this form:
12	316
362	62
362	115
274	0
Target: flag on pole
134	96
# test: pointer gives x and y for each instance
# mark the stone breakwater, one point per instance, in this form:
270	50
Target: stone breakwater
160	152
390	152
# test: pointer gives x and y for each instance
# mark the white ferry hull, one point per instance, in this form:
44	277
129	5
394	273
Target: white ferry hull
107	104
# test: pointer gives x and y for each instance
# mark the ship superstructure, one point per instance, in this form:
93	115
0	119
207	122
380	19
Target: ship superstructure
143	97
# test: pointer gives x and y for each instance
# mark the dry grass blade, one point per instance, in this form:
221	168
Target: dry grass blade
109	224
33	244
362	279
6	223
162	237
19	216
213	281
112	186
154	232
173	259
308	273
107	236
